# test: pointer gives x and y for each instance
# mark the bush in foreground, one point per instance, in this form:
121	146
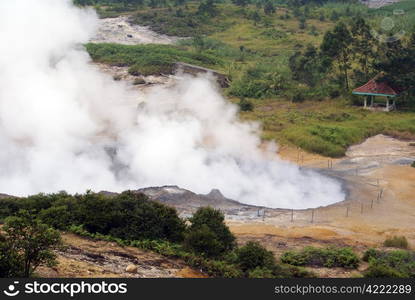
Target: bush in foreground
26	245
328	257
254	256
397	263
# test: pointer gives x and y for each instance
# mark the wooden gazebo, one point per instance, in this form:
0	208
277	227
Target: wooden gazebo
375	88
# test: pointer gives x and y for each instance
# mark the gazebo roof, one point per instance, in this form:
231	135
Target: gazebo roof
377	88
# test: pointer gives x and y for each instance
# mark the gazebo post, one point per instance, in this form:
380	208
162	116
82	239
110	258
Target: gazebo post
379	88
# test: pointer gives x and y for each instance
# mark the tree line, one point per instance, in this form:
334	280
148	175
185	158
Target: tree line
354	54
30	236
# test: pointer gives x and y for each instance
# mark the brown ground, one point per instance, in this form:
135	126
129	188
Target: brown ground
393	214
90	258
360	222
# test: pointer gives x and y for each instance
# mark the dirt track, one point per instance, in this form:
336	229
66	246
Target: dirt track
119	30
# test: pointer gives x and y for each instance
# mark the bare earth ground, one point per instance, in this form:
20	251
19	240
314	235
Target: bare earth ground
119	30
379	166
362	220
90	258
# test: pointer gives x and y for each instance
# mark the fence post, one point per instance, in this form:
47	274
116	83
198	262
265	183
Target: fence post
292	215
361	209
312	216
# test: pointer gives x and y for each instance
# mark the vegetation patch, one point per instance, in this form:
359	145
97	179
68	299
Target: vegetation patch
397	263
328	257
396	242
148	59
129	219
25	244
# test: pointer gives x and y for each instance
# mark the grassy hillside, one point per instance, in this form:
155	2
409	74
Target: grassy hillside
254	48
326	127
148	59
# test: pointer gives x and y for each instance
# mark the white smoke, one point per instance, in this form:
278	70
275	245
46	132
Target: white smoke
66	126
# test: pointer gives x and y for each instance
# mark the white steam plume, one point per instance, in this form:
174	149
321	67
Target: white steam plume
66	126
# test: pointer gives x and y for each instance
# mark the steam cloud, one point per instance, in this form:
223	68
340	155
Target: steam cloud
66	126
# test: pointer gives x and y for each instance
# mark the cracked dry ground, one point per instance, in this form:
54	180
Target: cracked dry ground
84	257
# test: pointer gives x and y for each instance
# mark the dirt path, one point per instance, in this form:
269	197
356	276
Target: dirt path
119	30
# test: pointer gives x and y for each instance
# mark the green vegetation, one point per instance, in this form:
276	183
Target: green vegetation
26	244
208	235
396	242
296	81
189	20
245	105
326	127
413	165
253	256
127	215
398	263
128	219
147	59
328	257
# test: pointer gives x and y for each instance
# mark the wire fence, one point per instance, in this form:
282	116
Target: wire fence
365	194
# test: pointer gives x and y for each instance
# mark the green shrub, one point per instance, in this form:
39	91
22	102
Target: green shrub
369	254
58	217
399	263
261	273
328	257
207	221
245	105
10	264
382	271
396	242
129	216
204	241
26	244
253	255
148	59
413	165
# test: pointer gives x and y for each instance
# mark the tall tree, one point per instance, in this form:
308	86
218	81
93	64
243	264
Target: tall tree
397	63
307	67
31	241
336	45
269	8
363	46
